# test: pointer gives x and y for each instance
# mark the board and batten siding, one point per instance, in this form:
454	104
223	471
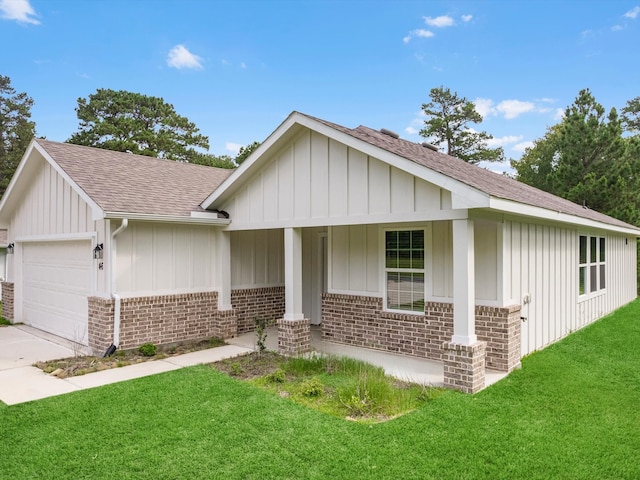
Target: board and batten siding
354	256
257	258
51	207
541	262
316	181
154	259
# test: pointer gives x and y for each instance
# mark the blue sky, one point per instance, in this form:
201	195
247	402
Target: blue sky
238	68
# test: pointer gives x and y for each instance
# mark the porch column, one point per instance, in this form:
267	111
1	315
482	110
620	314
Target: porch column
294	334
464	355
225	324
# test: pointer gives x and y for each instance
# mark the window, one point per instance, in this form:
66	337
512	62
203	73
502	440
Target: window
404	270
591	270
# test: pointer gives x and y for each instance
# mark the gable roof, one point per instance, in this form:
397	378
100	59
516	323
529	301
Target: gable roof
504	193
130	184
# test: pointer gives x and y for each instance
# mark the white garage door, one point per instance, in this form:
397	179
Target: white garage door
57	281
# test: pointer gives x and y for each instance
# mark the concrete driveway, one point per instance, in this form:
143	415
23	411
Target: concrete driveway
19	350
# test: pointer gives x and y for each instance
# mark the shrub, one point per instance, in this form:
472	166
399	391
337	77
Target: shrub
261	327
148	349
276	377
312	387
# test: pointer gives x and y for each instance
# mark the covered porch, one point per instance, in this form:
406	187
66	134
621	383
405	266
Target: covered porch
412	369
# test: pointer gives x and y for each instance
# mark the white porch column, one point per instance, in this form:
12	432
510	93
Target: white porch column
293	274
223	269
464	331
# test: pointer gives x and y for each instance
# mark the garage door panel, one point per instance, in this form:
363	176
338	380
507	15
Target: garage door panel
57	281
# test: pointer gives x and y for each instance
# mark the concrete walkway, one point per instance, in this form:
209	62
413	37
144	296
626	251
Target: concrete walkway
21	347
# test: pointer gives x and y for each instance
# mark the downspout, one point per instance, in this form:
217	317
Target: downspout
116	298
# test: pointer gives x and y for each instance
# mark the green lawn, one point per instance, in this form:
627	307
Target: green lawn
573	411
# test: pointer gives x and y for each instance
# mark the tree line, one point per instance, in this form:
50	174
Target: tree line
591	157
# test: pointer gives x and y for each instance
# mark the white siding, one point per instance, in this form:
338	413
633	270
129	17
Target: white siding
257	258
543	263
441	261
316	181
51	207
165	258
354	260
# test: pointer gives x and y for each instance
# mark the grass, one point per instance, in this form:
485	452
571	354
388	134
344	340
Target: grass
570	412
338	386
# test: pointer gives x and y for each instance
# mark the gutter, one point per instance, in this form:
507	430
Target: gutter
116	298
203	218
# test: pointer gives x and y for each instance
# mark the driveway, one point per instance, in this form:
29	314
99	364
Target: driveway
19	350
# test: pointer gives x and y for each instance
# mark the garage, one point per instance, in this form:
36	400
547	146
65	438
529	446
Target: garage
57	280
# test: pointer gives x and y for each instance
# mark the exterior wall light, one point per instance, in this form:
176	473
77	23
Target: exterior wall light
10	248
97	251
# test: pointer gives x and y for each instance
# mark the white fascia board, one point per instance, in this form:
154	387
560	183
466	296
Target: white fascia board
144	217
463	196
250	160
508	206
96	212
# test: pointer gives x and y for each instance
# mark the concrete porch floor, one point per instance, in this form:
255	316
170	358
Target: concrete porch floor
403	367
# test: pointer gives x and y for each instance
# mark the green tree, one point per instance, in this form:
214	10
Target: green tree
244	152
631	116
585	159
448	119
210	160
125	121
16	129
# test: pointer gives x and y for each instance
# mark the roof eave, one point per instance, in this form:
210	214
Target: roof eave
516	208
197	219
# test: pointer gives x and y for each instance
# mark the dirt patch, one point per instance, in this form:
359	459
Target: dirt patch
74	366
253	365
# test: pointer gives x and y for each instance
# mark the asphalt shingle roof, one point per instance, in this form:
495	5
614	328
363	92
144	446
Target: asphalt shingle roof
122	182
493	184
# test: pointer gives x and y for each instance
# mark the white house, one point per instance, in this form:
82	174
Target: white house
384	243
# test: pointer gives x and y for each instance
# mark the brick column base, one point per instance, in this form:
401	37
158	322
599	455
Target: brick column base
7	301
226	325
464	366
294	337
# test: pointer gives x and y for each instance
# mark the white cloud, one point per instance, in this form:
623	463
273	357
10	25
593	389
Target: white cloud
418	33
522	146
179	57
484	106
633	13
411	131
243	65
559	115
617	28
466	18
19	10
502	141
513	108
233	147
441	21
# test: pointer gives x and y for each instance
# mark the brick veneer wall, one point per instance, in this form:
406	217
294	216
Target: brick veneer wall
251	303
159	319
500	327
7	300
360	321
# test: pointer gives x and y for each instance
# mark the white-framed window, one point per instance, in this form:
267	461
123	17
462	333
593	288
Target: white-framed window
592	266
404	270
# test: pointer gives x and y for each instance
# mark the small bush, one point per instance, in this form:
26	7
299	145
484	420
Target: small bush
261	327
276	377
148	349
236	369
312	387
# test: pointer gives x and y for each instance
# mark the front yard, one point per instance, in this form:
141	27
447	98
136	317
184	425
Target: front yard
570	412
